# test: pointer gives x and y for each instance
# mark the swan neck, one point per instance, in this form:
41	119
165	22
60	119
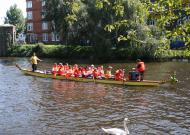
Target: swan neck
125	127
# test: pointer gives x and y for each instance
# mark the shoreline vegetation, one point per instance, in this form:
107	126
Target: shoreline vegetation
90	53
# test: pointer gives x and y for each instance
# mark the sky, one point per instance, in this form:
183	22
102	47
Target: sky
5	5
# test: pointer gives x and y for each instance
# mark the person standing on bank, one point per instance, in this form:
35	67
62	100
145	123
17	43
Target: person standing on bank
34	60
140	68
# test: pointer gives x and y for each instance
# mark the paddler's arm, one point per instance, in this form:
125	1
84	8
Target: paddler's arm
39	59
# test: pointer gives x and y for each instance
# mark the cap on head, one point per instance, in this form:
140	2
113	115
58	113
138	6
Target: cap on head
110	67
138	60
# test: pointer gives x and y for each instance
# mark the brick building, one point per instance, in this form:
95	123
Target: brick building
38	30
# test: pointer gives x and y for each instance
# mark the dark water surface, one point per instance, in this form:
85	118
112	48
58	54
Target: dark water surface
38	106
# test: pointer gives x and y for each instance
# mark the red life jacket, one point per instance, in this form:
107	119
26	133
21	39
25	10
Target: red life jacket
61	70
95	73
54	69
118	75
141	66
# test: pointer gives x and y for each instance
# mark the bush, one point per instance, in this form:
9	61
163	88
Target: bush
51	51
95	53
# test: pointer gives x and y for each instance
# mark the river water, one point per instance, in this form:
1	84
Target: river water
38	106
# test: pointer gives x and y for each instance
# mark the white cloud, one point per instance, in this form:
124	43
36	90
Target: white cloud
5	5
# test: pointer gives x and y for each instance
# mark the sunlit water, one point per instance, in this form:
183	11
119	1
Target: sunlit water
38	106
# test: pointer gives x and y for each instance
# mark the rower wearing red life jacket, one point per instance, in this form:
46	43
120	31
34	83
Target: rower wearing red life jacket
108	74
95	73
69	72
54	69
66	66
100	70
119	75
140	68
61	69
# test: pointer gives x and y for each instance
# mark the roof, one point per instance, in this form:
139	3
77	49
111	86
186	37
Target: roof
7	25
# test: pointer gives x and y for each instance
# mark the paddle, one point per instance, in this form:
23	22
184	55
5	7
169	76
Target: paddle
123	76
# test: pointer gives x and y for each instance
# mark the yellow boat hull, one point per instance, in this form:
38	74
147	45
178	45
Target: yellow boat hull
103	81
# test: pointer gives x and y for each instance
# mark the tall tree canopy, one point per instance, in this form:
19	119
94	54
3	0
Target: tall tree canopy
172	17
120	23
15	17
65	17
103	23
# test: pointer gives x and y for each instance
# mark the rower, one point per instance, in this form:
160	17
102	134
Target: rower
54	70
119	75
133	75
108	74
34	60
140	68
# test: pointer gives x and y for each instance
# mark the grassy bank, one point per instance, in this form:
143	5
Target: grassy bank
88	52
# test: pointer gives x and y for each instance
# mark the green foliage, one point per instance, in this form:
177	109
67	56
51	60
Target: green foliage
104	54
168	14
51	51
121	24
15	17
66	16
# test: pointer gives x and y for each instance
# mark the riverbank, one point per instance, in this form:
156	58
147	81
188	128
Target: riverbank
89	53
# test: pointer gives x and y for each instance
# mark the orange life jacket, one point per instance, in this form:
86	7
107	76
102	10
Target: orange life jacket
95	73
118	75
141	66
54	69
108	74
61	70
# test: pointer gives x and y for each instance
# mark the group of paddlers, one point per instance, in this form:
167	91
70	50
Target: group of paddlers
92	71
98	72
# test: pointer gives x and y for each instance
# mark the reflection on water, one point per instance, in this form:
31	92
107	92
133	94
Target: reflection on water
32	105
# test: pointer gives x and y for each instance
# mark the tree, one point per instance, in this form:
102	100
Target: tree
128	24
63	15
173	18
15	17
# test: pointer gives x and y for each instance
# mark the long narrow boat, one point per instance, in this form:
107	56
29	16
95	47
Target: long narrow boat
103	81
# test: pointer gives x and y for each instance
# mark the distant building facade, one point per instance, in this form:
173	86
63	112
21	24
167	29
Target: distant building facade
38	30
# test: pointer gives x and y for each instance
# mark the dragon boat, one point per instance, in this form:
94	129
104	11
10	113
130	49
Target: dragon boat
80	79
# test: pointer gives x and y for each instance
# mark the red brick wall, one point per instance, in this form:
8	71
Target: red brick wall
37	20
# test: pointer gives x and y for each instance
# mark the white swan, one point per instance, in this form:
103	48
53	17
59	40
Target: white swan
117	131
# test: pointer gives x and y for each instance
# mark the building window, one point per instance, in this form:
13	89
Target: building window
151	22
179	22
29	4
152	1
45	36
43	15
29	15
52	36
29	26
188	17
150	10
55	37
44	26
43	3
